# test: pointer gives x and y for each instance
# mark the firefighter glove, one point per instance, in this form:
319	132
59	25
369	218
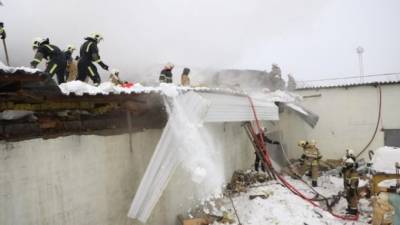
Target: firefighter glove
104	66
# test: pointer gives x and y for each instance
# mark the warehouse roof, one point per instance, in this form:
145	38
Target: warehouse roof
383	79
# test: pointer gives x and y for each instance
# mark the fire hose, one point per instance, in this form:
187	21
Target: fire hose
267	160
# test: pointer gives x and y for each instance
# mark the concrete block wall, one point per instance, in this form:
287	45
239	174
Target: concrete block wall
85	180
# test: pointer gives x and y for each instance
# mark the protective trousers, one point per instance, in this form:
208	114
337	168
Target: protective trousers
87	68
58	67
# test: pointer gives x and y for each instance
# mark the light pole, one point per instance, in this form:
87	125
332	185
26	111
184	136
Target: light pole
360	51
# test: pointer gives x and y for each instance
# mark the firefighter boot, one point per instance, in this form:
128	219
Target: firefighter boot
314	183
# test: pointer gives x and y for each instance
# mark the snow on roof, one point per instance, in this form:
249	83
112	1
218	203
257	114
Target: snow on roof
385	158
392	78
9	69
81	88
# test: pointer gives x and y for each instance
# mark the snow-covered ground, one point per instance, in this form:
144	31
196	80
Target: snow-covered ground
284	208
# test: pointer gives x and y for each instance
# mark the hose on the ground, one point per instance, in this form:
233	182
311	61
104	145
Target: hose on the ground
260	143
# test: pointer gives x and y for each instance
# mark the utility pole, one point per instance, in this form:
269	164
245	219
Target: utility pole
360	51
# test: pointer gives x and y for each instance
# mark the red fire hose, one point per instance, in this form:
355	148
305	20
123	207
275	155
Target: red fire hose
267	160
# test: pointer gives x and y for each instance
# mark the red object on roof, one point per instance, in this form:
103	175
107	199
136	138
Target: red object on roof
127	85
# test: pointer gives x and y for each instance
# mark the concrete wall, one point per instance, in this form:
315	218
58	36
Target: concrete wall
348	118
85	180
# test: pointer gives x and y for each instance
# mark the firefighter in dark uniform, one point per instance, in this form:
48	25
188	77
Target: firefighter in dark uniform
258	160
351	178
56	62
166	73
89	53
2	31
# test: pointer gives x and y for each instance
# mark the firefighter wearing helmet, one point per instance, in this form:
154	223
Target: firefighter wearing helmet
309	160
351	180
56	62
72	68
166	73
89	54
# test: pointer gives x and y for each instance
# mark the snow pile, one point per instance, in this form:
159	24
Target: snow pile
9	69
283	207
385	158
80	88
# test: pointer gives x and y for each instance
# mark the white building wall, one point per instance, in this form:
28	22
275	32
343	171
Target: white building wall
347	119
86	180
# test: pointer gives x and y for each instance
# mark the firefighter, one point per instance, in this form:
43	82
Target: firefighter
166	73
310	160
258	160
2	31
89	53
72	69
351	180
185	80
276	78
114	77
56	62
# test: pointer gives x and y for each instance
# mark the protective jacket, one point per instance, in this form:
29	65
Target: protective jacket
56	62
166	76
89	53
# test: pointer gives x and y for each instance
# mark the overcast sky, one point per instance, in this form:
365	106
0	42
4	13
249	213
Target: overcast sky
311	39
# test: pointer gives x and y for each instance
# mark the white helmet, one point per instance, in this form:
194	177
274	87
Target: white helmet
169	65
349	152
96	36
37	41
115	72
70	48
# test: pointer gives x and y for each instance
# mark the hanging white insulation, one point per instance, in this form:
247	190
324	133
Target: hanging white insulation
187	112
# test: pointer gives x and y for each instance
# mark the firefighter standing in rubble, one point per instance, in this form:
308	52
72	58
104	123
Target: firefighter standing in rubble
258	161
351	180
56	62
2	31
310	160
89	53
166	73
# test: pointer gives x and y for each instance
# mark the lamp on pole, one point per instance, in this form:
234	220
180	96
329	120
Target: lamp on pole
360	51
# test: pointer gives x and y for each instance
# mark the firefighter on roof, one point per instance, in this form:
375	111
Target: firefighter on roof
185	80
166	73
89	53
56	62
72	69
310	160
2	31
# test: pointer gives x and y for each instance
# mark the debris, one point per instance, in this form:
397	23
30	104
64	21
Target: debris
241	180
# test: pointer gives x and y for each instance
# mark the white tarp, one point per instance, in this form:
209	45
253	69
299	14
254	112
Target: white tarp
385	158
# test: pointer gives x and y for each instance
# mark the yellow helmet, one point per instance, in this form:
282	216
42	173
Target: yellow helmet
302	143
